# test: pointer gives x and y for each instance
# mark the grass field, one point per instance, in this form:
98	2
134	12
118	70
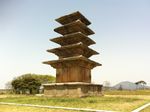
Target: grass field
122	101
136	92
6	108
146	109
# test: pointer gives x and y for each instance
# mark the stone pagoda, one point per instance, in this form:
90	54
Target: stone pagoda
73	68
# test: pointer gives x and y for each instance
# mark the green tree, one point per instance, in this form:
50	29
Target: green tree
30	83
17	85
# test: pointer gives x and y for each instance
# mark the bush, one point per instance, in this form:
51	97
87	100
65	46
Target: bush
30	83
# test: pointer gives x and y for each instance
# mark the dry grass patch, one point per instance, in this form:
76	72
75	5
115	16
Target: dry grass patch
146	109
125	101
127	92
108	102
6	108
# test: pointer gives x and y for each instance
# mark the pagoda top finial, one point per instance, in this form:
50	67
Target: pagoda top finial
73	17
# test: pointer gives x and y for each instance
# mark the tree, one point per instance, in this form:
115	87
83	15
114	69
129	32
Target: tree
17	85
142	83
8	85
120	88
30	83
106	83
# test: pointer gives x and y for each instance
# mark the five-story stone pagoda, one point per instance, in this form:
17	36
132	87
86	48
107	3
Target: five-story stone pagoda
73	68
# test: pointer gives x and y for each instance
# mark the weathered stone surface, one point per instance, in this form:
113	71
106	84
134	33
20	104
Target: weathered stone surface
72	39
64	62
76	26
77	89
73	17
73	68
73	50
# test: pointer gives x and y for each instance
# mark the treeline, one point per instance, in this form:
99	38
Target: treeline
30	83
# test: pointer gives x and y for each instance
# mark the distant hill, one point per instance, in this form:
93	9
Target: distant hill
126	85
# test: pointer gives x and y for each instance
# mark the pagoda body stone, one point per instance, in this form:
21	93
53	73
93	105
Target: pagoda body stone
73	68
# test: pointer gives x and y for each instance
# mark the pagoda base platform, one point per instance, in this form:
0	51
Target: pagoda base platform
72	89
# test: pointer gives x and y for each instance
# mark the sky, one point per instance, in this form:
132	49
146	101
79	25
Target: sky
122	36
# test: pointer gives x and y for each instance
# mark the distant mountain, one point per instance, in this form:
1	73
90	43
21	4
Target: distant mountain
126	85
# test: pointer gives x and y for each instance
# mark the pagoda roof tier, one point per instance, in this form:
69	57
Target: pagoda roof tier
72	39
76	26
73	17
73	50
71	61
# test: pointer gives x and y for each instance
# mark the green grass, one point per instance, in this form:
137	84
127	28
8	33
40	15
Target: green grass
146	109
8	108
123	101
126	92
